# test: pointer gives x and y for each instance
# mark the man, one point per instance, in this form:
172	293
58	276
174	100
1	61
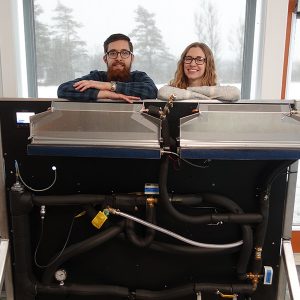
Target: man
117	83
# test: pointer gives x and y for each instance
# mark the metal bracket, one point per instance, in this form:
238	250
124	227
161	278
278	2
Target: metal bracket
3	255
290	268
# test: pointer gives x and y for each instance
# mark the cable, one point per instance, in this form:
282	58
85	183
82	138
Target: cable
173	234
18	174
186	161
61	251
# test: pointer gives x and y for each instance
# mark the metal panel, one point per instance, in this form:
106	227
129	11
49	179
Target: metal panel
114	127
271	126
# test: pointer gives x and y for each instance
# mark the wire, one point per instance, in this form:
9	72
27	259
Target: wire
61	251
18	174
175	235
186	161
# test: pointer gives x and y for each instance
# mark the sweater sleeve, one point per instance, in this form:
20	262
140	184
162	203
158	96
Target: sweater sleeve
226	93
67	91
141	85
166	91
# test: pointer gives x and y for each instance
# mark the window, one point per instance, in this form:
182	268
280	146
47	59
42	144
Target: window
294	93
69	39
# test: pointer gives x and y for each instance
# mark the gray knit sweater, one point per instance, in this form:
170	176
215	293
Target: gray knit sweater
225	93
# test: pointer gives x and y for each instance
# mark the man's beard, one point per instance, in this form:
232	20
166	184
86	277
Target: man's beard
118	75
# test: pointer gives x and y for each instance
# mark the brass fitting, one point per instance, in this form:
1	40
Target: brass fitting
258	251
151	201
254	279
112	210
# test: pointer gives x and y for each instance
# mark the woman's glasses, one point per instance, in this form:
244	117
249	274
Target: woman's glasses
198	60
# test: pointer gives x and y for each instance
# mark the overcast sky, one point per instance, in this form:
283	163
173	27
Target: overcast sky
175	18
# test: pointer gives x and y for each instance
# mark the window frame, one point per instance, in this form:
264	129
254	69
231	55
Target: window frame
29	29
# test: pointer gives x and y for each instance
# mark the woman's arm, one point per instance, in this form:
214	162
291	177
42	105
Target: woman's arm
166	91
226	93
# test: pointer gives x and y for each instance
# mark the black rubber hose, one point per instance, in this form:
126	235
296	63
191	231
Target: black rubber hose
140	294
261	229
239	288
209	198
79	248
247	246
215	200
68	199
173	293
149	232
212	199
164	196
116	200
83	290
20	207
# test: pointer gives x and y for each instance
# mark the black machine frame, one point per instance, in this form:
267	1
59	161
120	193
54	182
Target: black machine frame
216	201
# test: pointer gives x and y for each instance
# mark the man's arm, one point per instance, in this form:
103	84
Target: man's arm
67	90
141	86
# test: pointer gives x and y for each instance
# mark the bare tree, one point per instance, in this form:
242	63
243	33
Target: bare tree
208	27
236	44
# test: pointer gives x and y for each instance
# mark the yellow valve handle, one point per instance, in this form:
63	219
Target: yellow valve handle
99	219
227	296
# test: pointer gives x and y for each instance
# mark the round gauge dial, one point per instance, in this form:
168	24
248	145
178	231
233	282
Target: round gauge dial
60	275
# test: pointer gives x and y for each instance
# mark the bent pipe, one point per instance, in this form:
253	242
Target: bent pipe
212	199
79	248
120	201
149	234
81	289
209	198
130	201
141	294
239	288
264	201
20	206
247	233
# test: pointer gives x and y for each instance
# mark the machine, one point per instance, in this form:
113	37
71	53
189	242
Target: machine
154	200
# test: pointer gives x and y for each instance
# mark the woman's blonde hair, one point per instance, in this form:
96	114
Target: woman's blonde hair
209	77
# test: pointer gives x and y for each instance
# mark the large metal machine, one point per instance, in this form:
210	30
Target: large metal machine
154	200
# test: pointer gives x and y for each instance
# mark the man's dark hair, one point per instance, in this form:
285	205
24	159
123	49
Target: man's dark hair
117	37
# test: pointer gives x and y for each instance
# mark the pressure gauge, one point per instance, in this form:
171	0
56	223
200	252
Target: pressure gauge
61	275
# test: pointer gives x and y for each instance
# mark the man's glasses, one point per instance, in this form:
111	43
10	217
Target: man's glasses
198	60
113	54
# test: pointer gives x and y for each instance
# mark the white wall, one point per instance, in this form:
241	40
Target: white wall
10	65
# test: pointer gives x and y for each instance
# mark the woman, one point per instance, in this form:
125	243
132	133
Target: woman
195	77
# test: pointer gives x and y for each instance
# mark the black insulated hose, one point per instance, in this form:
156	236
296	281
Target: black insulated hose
149	232
79	248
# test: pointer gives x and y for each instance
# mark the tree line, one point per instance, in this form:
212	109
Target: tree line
61	55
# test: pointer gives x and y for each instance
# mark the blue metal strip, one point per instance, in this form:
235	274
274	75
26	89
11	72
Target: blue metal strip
92	151
238	154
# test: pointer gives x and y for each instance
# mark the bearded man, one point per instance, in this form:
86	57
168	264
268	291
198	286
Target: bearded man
118	82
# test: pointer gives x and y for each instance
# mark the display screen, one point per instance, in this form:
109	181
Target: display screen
24	117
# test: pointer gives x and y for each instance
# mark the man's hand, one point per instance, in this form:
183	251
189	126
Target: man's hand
83	85
116	96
